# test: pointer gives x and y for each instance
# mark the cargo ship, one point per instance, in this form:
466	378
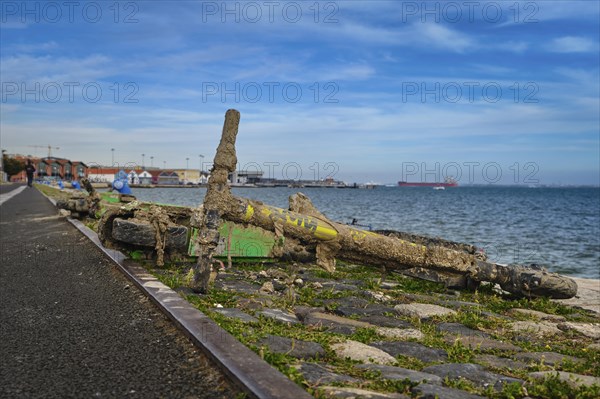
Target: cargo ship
449	182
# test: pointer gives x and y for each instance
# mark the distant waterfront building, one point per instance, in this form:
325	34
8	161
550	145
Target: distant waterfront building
154	174
188	175
168	177
105	174
54	168
145	178
245	177
204	177
133	177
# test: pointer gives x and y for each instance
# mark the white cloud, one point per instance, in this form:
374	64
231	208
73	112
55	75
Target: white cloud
441	37
32	47
572	44
29	68
422	35
514	46
348	72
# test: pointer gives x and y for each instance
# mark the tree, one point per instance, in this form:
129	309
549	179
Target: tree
12	166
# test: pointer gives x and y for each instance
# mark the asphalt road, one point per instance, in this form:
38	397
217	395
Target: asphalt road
71	325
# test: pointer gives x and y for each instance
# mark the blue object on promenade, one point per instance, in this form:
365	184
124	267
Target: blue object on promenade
121	183
122	186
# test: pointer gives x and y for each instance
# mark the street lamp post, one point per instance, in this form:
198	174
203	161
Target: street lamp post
201	157
112	153
143	159
152	161
187	166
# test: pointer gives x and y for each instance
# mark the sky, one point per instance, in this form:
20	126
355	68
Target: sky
488	92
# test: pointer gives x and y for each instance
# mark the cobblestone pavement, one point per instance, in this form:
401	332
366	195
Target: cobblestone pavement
352	334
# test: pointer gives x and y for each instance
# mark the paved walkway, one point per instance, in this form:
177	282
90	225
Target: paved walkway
72	326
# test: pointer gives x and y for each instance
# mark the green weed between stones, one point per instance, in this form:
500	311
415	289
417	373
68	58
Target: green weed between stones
92	224
553	388
412	363
171	278
569	343
475	318
461	383
365	335
459	353
52	192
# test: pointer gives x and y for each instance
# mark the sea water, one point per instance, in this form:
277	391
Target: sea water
556	227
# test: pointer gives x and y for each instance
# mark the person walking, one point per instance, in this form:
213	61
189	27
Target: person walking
29	170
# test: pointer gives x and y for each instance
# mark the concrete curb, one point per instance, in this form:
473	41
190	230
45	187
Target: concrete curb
252	374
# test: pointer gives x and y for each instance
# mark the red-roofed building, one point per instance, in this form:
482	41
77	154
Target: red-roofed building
155	173
58	168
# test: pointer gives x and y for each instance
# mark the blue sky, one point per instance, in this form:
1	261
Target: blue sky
490	92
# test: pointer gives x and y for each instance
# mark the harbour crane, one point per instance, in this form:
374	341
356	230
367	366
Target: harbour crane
49	147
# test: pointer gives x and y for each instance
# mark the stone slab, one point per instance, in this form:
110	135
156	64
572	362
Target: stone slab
319	374
339	287
412	349
460	304
460	329
574	380
482	343
400	333
302	311
536	314
333	323
235	313
538	328
423	310
590	330
432	391
251	304
474	373
594	347
378	296
237	285
292	347
362	352
345	302
367	310
280	315
385	321
547	358
400	373
500	362
355	393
